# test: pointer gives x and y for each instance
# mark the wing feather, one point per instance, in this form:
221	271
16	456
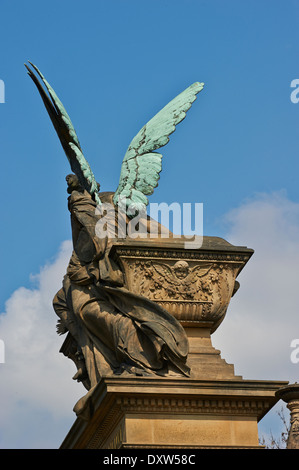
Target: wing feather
141	166
67	134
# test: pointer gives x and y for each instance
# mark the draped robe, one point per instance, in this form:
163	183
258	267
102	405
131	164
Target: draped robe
114	330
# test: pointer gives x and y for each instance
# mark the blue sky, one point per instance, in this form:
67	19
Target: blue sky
114	64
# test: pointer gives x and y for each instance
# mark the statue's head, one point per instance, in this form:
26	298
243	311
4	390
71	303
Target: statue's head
181	269
73	183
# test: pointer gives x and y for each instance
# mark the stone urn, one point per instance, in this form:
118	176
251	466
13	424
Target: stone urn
193	285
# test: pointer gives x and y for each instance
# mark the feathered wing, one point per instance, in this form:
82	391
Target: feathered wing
67	134
165	272
200	271
141	165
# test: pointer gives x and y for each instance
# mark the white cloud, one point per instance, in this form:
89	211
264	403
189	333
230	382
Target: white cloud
37	391
263	317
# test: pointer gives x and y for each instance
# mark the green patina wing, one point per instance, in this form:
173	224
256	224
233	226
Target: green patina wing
67	135
141	165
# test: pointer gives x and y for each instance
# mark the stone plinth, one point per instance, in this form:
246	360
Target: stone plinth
145	412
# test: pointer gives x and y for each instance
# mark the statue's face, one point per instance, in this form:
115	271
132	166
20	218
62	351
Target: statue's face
181	270
72	183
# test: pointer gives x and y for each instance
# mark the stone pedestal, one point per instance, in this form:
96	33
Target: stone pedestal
173	413
213	408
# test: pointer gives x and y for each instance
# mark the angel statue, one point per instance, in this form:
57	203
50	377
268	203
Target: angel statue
110	329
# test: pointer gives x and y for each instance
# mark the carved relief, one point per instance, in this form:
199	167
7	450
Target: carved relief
191	290
177	282
295	426
293	406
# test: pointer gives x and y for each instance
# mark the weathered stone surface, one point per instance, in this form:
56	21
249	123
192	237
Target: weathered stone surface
146	412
